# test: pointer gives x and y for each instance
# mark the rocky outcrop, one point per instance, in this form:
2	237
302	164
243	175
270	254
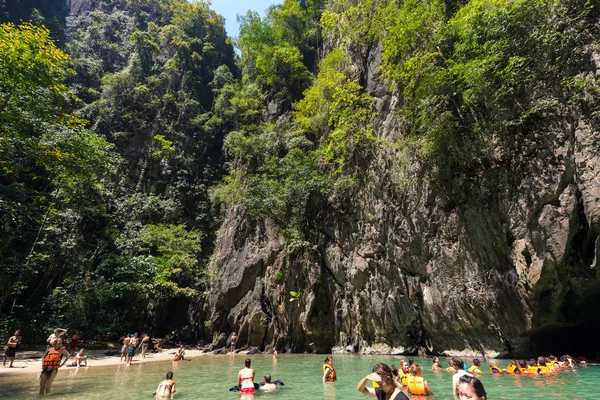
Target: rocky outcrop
469	262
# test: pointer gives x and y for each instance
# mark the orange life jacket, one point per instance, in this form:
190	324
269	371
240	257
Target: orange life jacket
495	370
52	358
332	377
416	385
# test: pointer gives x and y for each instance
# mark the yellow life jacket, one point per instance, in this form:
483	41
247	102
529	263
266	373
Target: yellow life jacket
475	370
403	377
523	370
544	369
538	369
332	375
416	385
512	369
496	370
375	384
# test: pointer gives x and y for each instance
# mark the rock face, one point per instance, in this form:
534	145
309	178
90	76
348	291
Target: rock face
469	263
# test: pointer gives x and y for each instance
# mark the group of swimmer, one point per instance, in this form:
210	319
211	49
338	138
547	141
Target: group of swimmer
391	383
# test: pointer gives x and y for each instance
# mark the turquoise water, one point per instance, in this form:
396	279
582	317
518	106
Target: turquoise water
210	377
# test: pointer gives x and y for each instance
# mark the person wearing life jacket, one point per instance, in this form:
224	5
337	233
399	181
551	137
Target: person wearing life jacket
495	369
476	367
553	362
54	358
403	373
523	367
417	385
411	362
513	368
329	374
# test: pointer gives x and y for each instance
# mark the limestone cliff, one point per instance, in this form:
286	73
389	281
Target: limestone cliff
497	260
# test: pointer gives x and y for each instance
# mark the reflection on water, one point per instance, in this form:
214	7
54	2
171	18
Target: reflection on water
210	377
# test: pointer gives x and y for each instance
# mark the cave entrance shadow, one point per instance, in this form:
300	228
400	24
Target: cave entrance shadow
577	340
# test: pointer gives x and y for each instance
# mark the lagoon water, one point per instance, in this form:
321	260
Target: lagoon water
210	377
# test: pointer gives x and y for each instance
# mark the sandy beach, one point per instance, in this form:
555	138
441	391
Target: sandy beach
30	362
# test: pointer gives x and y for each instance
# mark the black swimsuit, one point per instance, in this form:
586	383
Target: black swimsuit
381	395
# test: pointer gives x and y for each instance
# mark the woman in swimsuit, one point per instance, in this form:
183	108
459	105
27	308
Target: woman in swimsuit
387	390
166	388
246	378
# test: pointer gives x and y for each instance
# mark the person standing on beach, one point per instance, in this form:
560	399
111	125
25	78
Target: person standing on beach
145	342
233	338
133	343
54	358
11	348
126	341
73	344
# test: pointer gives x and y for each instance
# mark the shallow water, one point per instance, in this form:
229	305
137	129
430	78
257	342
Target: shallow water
210	377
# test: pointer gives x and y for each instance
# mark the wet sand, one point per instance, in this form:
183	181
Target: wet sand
30	362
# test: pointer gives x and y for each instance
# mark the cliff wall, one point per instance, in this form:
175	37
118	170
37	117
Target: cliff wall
500	259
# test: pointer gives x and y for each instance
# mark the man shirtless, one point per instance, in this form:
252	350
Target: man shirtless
133	343
268	386
11	348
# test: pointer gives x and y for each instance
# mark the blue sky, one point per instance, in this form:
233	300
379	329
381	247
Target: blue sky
231	8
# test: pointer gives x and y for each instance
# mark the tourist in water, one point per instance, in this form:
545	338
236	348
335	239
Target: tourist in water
411	362
513	368
436	364
144	344
470	388
417	385
54	358
495	369
246	378
11	348
267	386
73	344
133	343
450	368
80	359
522	367
476	367
180	354
386	390
403	372
458	365
329	374
233	337
166	388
